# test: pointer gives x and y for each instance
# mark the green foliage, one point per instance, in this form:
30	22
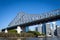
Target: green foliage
24	34
12	31
6	35
43	34
34	32
9	34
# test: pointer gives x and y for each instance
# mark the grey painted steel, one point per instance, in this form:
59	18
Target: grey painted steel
22	18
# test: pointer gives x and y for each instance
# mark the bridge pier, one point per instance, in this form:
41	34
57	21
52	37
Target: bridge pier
18	29
26	29
6	31
23	29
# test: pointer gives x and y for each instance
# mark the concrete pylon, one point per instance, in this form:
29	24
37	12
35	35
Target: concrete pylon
26	29
18	29
6	31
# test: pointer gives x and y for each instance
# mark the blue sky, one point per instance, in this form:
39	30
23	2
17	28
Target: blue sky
9	8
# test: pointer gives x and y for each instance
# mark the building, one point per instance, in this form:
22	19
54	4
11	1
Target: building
58	30
40	28
36	28
53	28
46	29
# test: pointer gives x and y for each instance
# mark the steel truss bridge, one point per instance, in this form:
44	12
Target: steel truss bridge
22	19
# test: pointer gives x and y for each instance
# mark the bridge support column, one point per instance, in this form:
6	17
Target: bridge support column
23	29
6	31
18	29
27	29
